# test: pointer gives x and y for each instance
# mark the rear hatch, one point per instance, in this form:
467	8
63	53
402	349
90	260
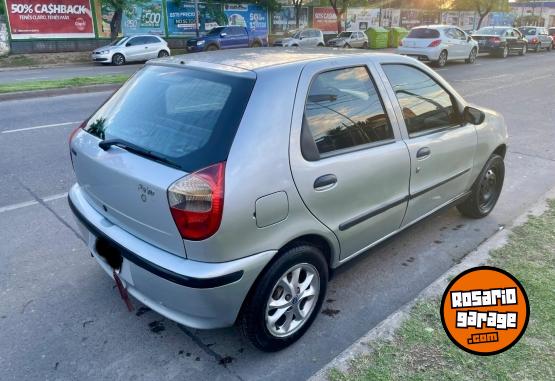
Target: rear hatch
173	121
420	38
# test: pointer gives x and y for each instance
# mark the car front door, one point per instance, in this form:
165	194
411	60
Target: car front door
464	44
227	38
151	47
441	146
305	38
241	37
348	160
134	48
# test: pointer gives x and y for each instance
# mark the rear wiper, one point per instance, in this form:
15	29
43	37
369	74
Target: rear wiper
106	144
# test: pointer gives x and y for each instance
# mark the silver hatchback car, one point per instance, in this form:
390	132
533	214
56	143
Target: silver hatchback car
131	49
223	189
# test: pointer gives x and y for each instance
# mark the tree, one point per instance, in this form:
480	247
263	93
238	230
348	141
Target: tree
340	8
298	4
118	6
482	7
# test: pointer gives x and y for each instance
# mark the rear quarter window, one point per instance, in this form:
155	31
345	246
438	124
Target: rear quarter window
423	33
186	116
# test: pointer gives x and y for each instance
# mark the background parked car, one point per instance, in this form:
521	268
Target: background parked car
306	37
551	32
537	37
227	37
439	44
131	48
501	41
350	40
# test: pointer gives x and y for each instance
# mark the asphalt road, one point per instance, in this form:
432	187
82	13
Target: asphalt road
11	75
61	318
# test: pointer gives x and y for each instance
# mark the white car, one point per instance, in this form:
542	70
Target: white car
439	44
305	38
131	48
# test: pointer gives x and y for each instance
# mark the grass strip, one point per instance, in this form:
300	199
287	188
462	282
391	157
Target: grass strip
63	83
420	349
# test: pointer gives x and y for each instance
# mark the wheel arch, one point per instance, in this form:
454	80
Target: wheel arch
501	150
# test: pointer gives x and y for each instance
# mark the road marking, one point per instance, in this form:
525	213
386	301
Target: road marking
31	203
39	127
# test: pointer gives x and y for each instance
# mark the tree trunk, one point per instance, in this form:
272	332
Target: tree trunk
338	16
481	19
115	24
297	15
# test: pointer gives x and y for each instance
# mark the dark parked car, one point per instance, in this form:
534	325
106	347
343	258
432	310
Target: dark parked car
501	41
537	37
227	37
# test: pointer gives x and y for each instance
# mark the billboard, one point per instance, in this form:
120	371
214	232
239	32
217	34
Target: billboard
284	20
50	19
181	17
251	16
325	19
362	19
144	18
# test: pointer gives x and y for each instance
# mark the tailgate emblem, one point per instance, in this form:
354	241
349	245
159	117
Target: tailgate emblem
145	191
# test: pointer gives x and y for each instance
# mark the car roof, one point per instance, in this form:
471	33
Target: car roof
249	59
435	26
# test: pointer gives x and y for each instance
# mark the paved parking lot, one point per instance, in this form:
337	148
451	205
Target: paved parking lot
62	318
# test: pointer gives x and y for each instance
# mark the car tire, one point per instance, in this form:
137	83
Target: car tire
504	53
163	53
524	50
365	45
211	48
486	189
277	284
442	60
472	56
320	44
256	44
538	48
118	59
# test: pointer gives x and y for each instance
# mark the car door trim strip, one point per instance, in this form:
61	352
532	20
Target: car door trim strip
365	216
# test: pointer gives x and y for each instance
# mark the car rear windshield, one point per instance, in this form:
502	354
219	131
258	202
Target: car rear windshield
187	117
528	31
491	31
423	33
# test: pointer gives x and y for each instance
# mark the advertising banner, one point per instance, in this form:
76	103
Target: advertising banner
284	20
362	18
324	18
145	18
181	17
391	17
50	19
251	16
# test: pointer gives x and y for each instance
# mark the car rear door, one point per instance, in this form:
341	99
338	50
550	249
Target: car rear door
348	160
441	147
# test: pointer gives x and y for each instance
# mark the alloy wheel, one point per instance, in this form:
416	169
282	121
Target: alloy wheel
505	52
442	58
292	300
472	57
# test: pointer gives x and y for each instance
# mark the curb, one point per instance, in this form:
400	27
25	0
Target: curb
385	330
54	92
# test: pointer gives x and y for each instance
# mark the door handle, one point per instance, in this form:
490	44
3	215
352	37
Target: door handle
423	152
325	182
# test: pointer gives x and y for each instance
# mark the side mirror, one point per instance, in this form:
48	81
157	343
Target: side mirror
468	38
473	115
128	44
223	34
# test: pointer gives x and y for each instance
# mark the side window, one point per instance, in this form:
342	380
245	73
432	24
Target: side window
343	110
305	34
152	40
134	41
425	104
461	35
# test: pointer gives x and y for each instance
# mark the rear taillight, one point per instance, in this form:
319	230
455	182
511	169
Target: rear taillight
197	202
495	40
534	40
434	43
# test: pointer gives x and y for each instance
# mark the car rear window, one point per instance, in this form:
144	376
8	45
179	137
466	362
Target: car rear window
528	31
188	117
491	31
423	33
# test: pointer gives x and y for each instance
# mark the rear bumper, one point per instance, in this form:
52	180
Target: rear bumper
196	294
422	54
